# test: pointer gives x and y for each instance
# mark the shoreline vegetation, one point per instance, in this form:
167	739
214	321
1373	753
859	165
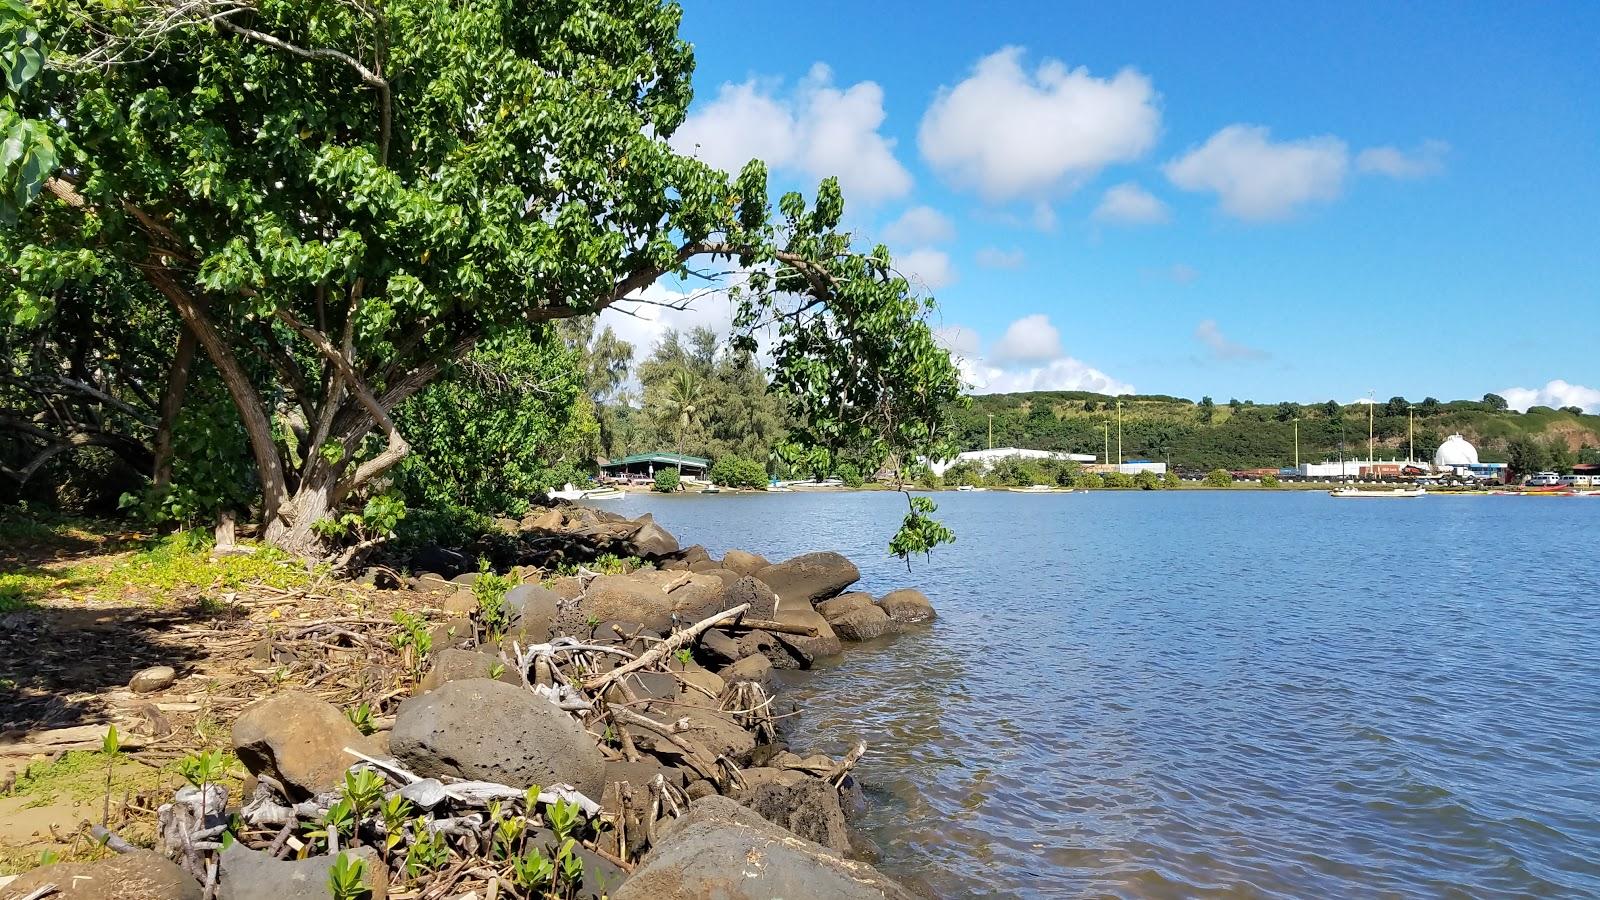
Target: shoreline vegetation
574	706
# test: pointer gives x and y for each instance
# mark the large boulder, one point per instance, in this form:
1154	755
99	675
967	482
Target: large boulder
651	541
744	563
826	642
907	605
459	665
627	599
755	668
806	806
720	849
247	874
546	519
140	875
533	607
807	579
299	740
862	623
844	603
715	731
490	731
763	601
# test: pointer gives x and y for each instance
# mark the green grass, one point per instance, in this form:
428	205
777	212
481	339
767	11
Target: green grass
183	561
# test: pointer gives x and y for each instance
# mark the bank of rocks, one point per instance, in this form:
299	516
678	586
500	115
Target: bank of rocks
597	729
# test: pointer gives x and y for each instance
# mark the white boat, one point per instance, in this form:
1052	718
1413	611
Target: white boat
576	493
969	487
1363	493
1034	489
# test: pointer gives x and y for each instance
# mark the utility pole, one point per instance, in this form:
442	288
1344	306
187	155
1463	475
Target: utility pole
1411	437
1106	430
1119	434
1297	443
991	431
1372	400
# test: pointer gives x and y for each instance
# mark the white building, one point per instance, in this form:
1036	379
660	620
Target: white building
1458	456
987	458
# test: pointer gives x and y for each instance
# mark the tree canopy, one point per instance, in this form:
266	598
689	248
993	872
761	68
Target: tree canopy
341	201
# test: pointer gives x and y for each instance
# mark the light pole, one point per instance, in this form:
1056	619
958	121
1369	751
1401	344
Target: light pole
1106	430
991	431
1297	444
1119	434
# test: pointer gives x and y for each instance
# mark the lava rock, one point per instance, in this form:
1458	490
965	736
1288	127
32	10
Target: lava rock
806	806
762	599
860	624
155	678
838	606
651	541
744	563
720	849
140	875
533	606
804	580
908	605
300	741
490	731
755	667
461	603
459	665
826	643
247	874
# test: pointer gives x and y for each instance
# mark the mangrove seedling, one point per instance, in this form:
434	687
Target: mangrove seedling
110	747
361	717
490	590
201	769
347	878
428	851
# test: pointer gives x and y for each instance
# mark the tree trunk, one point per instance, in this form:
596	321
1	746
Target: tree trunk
171	404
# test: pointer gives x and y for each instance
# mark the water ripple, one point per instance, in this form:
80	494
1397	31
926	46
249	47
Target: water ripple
1197	695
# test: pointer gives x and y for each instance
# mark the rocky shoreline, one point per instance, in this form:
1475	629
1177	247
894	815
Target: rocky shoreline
596	721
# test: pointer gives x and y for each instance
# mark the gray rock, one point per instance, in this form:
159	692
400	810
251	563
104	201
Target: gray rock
755	668
466	578
533	606
860	624
461	603
716	732
155	678
490	731
438	559
720	849
826	643
838	606
719	647
807	579
246	874
762	599
459	665
908	605
457	632
651	541
299	740
744	563
140	875
806	806
627	599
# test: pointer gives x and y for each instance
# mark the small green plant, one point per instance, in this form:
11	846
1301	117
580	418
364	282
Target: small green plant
110	747
428	851
413	641
851	476
393	813
361	717
1219	478
668	480
738	472
1269	480
347	878
497	669
339	819
1171	479
364	790
490	590
49	857
684	656
201	769
919	533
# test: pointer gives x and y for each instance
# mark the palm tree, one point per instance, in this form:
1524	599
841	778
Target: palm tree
681	401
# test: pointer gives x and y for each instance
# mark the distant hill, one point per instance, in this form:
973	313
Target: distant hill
1243	434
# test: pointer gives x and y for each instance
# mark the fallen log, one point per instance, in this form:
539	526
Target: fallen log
666	648
775	627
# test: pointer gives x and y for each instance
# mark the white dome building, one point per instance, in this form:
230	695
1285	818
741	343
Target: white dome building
1455	452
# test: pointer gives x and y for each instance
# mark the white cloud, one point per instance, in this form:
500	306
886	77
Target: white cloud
926	267
1130	204
1427	159
995	258
1064	374
920	225
1221	347
818	129
1555	393
643	322
1028	339
1259	179
1013	134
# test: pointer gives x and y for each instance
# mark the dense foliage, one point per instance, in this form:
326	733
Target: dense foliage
334	205
667	481
1242	434
738	472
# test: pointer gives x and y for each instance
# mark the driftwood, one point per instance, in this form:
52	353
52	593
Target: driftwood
774	627
666	648
836	775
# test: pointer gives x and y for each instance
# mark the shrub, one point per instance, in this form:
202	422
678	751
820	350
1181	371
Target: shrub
668	480
1088	480
1118	480
1269	481
738	472
1171	479
851	476
964	473
1147	481
1219	478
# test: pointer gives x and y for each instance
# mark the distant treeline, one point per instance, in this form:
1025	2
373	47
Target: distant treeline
1241	434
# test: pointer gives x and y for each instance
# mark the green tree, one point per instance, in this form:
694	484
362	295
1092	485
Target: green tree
1208	410
1147	481
1269	481
1219	478
738	472
1332	410
360	195
509	421
27	148
964	473
1118	480
1286	412
680	402
1429	406
1527	455
1171	479
668	480
1495	402
1397	406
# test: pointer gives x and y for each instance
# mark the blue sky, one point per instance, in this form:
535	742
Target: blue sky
1268	201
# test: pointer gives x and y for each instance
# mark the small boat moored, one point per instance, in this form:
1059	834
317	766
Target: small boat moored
1363	493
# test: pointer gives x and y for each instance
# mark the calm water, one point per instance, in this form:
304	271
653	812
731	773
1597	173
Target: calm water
1214	694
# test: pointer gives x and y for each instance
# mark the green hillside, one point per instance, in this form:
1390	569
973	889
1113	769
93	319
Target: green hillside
1243	434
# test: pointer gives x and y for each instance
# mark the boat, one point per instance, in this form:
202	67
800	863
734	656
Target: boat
713	489
969	487
1396	494
1034	489
605	493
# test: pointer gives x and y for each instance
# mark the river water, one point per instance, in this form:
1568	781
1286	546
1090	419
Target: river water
1213	694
